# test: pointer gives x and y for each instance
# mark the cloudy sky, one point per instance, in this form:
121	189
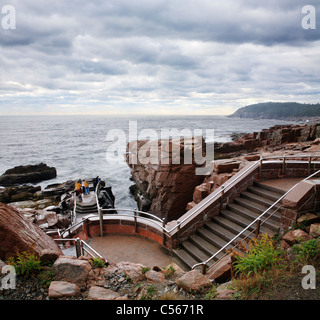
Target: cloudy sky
156	56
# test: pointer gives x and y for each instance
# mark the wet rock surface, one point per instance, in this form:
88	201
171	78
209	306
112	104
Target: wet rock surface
27	174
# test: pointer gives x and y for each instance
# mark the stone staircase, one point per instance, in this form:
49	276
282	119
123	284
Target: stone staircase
87	206
220	229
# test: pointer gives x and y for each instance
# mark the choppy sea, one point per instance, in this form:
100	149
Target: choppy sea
77	145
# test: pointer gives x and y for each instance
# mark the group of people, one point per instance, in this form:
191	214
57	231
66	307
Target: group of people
82	187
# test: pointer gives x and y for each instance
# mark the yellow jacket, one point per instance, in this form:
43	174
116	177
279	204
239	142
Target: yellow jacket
78	185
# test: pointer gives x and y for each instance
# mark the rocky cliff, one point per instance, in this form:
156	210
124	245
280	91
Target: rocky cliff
276	141
272	137
165	182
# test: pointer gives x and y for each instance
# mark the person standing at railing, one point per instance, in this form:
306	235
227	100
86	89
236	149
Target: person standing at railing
78	190
86	187
95	182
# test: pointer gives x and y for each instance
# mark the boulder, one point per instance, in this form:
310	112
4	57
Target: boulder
60	289
27	174
315	230
71	270
18	234
131	270
154	276
193	281
18	193
226	166
294	236
221	271
200	192
99	293
224	292
308	218
49	218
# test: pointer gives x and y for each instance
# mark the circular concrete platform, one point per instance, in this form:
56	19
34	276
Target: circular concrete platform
116	248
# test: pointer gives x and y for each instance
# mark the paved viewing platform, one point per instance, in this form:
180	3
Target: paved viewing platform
132	248
283	184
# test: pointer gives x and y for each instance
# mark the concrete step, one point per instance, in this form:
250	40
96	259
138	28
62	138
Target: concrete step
219	230
252	215
187	260
85	209
271	195
204	245
211	237
270	188
194	251
232	227
243	222
262	201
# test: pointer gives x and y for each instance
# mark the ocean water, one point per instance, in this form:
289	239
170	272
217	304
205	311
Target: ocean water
77	145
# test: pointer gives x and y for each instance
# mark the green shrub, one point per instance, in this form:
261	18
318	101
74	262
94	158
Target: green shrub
25	263
145	270
98	263
149	293
261	255
306	250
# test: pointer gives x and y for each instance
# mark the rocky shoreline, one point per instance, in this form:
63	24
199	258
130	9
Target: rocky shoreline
169	190
22	225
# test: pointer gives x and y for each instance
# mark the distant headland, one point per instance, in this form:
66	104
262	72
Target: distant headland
279	110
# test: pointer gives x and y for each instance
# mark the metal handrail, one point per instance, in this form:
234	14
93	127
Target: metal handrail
73	219
136	211
204	263
61	233
82	247
215	196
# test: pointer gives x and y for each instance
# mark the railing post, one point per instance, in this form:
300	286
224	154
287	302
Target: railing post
258	228
221	197
135	222
260	169
178	231
204	268
101	222
81	248
309	166
78	247
284	166
163	233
